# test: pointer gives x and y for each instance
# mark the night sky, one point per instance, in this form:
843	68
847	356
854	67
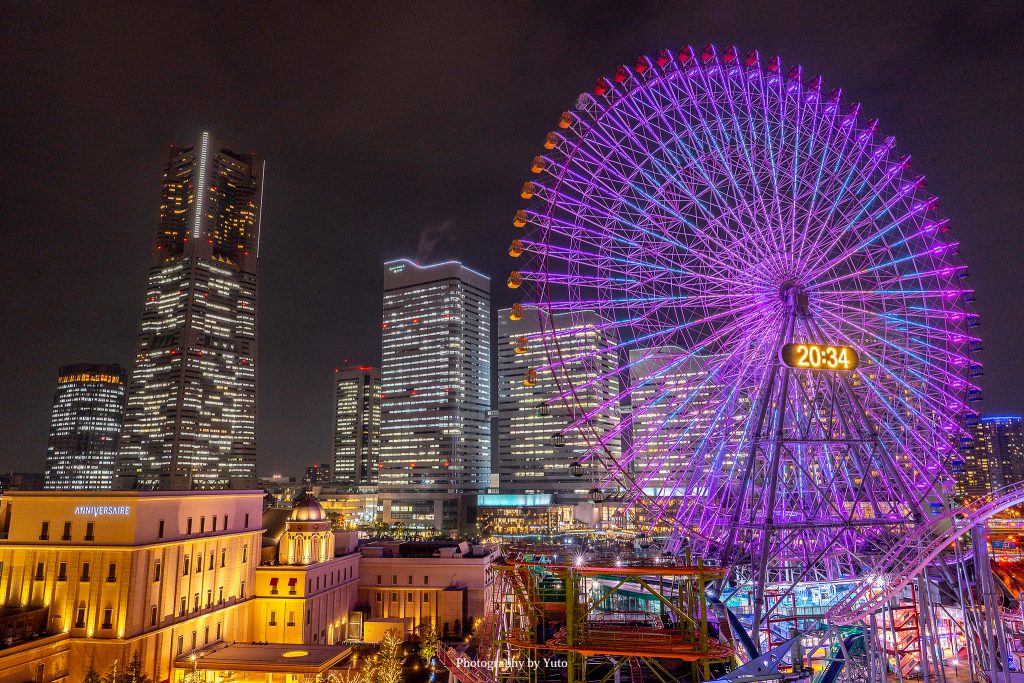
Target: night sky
385	125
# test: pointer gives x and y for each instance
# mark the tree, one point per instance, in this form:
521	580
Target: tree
337	523
428	641
349	675
132	673
457	627
92	677
386	666
378	528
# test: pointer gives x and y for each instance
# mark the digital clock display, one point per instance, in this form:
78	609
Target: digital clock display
820	357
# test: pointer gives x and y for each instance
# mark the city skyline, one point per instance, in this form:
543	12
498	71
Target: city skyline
441	175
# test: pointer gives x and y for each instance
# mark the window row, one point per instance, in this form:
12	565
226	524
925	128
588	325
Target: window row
394	580
90	532
409	597
62	572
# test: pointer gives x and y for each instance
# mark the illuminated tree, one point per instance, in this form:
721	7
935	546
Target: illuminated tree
428	641
386	665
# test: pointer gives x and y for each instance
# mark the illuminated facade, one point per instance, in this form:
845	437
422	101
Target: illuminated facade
1000	441
114	574
356	425
675	406
191	415
520	515
436	379
540	434
306	584
444	584
85	427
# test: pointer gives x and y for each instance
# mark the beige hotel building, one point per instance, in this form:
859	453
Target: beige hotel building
90	578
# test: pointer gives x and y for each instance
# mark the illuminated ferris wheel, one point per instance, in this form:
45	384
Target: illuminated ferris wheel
797	354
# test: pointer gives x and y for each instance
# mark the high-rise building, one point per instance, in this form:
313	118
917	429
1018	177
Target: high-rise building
356	425
676	416
1000	441
191	416
972	468
85	427
436	380
317	475
537	439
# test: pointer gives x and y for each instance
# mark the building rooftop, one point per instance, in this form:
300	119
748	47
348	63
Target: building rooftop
131	494
427	549
306	508
268	657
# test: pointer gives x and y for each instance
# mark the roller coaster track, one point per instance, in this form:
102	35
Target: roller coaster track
894	570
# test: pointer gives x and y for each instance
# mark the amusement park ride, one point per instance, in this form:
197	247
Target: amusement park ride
793	498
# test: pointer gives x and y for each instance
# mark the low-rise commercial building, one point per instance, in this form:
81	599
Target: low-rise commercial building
443	583
108	575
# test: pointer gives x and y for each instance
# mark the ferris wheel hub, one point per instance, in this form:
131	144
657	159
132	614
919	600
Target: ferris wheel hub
795	298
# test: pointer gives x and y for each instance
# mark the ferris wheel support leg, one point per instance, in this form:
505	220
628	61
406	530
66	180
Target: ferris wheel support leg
773	485
879	449
765	401
991	631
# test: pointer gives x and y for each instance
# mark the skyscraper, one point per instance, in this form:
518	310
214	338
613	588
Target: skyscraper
536	443
85	427
356	425
675	405
191	416
436	379
1000	440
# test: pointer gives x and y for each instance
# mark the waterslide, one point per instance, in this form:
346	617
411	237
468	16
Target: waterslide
852	642
739	631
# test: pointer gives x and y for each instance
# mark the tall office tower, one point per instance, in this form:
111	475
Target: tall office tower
1001	441
356	425
676	404
317	475
435	379
191	417
974	472
536	439
85	427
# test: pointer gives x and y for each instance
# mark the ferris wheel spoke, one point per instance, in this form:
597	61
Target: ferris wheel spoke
949	400
943	373
914	211
674	177
648	338
694	162
708	476
655	464
938	249
770	207
849	225
715	147
821	181
606	303
854	172
915	412
723	334
610	261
